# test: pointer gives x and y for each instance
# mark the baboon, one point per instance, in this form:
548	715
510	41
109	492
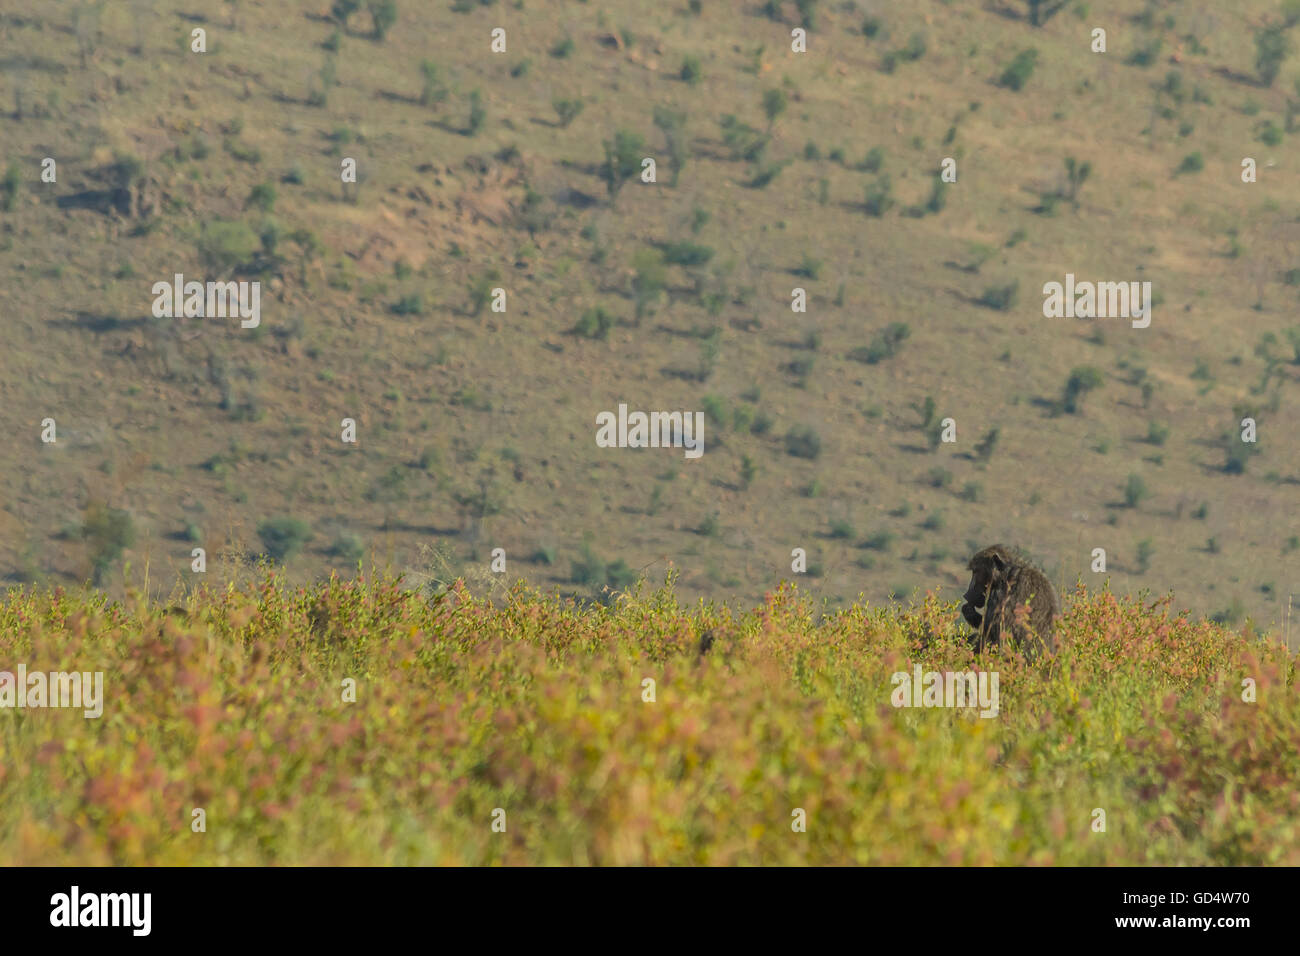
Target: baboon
1002	583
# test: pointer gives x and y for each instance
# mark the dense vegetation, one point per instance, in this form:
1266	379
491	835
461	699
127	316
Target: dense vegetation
234	704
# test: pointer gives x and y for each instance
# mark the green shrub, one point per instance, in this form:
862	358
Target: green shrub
878	200
623	155
1145	56
283	537
1019	70
1135	491
595	323
108	532
410	304
1082	380
884	345
1271	50
985	447
383	15
802	441
775	102
9	187
685	253
563	48
1001	297
342	9
566	110
262	196
225	246
690	71
477	114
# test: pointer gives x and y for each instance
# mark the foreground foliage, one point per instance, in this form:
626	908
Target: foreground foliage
536	706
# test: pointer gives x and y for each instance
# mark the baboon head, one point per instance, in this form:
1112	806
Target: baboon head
986	567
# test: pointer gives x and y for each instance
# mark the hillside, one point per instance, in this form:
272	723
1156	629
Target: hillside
776	170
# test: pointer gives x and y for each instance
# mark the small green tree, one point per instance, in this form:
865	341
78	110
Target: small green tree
984	448
340	10
433	90
649	280
283	537
477	114
383	15
1082	380
566	110
108	532
623	156
672	123
227	246
1076	174
1271	50
480	290
9	187
1020	69
774	104
1040	11
1135	491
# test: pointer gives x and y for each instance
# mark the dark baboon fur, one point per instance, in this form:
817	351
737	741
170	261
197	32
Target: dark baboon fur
1001	583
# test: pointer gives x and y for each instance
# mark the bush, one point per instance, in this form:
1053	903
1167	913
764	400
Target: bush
411	304
433	91
108	532
649	279
480	290
1271	50
340	10
766	174
594	324
1192	163
915	48
477	114
283	537
1145	56
9	187
623	156
873	161
878	200
690	71
885	344
1082	380
1135	491
985	447
563	48
685	253
383	15
347	546
226	246
262	196
1018	72
802	441
1001	297
566	110
878	541
774	104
